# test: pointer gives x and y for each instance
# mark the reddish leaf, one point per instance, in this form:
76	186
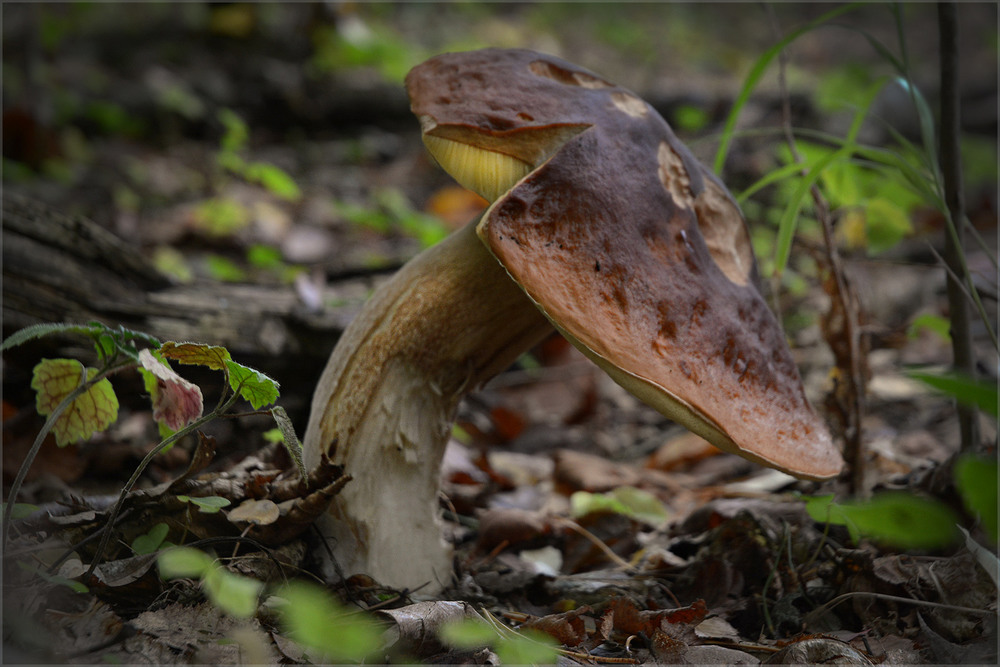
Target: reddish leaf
568	628
212	356
176	402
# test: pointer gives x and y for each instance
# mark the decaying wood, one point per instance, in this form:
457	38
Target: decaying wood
59	268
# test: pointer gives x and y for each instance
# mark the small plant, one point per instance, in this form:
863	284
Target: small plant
80	401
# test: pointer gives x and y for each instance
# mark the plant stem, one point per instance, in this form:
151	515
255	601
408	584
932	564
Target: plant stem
193	426
29	459
841	326
951	171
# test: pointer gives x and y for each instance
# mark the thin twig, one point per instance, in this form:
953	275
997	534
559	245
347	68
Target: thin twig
951	175
896	598
596	541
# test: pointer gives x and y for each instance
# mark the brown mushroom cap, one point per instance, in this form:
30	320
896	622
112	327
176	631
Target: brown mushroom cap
629	246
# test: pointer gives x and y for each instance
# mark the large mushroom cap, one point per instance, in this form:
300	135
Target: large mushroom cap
626	243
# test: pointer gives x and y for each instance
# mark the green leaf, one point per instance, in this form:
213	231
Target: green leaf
789	220
520	647
642	505
976	480
315	619
935	323
221	216
207	504
38	330
20	510
527	647
151	541
232	593
212	356
289	438
265	257
690	118
97	408
224	269
626	500
980	394
468	633
171	262
886	224
184	562
275	179
895	519
58	579
236	131
255	387
757	71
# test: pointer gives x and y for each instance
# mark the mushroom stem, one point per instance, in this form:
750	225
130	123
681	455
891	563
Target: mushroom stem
449	320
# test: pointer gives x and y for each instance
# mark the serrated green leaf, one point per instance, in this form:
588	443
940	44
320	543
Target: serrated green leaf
212	356
38	330
184	562
255	387
54	380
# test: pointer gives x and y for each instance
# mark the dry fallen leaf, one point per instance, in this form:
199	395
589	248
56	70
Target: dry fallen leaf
257	512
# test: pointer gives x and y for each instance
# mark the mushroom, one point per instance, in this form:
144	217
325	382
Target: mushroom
603	225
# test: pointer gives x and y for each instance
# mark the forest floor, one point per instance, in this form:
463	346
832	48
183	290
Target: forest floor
575	509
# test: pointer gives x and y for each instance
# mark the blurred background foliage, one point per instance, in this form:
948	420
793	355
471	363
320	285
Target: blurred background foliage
255	116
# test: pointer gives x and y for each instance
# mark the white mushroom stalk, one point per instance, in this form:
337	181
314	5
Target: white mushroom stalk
449	320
